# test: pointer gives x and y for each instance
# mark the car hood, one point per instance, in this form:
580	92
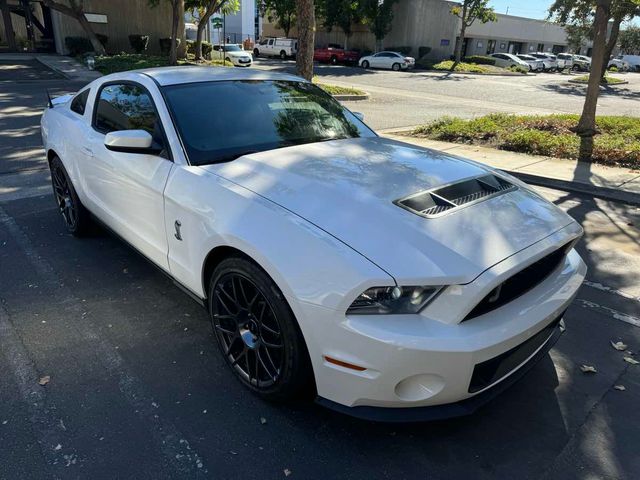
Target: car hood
347	188
237	54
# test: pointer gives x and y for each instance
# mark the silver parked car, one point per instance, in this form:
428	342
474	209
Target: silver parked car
550	61
535	64
507	60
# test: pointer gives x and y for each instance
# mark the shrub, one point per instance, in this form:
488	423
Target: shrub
207	48
165	45
423	51
402	50
139	43
480	60
613	68
462	67
518	69
78	45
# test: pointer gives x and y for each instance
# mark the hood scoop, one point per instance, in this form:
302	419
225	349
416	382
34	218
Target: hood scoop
448	198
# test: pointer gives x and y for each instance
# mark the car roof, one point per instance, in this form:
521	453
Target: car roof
193	74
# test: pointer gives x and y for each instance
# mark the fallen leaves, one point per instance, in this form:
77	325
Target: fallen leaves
621	347
588	369
630	360
263	420
622	388
44	380
287	472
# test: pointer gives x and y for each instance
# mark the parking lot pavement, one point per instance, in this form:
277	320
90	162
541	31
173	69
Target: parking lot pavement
137	389
400	99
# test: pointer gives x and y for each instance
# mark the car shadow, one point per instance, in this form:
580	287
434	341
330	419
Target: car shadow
581	90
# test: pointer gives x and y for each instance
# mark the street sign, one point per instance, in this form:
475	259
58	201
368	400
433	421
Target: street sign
216	22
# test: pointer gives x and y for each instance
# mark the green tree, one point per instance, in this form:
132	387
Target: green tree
177	29
576	35
305	14
205	9
468	12
629	40
75	9
600	14
339	13
378	15
280	12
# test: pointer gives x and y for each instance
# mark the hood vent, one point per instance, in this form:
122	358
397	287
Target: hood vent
447	198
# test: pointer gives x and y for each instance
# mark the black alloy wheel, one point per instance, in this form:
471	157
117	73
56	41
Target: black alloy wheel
75	216
257	334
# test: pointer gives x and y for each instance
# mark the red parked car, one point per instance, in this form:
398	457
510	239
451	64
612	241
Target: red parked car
335	55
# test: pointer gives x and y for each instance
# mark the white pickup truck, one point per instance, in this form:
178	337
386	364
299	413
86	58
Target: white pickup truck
277	47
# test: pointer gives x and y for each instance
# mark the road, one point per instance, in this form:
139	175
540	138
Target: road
400	99
138	390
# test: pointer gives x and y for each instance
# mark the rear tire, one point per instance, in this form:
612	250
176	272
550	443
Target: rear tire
333	60
365	64
395	67
256	331
256	52
283	55
75	216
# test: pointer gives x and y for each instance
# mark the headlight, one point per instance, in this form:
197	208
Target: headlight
393	300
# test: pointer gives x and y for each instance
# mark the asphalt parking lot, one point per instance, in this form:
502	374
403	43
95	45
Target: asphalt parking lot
137	389
401	99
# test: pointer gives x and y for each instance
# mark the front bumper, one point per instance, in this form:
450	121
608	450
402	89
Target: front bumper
415	362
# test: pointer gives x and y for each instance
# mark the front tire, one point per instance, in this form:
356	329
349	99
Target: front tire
365	64
75	216
256	52
283	55
395	67
256	331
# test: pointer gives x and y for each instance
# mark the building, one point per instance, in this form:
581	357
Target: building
429	23
35	26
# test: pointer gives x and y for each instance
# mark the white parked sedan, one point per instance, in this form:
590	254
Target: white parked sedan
232	53
377	274
387	60
535	64
507	60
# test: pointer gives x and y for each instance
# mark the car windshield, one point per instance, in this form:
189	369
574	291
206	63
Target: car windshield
221	121
232	48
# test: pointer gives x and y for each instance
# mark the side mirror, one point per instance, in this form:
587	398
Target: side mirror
130	141
359	116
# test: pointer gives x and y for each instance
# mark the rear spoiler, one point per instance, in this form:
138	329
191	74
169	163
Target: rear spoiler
53	102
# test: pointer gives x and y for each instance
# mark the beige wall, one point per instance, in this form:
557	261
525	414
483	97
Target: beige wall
416	23
124	17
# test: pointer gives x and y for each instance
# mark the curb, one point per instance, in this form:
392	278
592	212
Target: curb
347	98
51	67
577	82
447	72
605	193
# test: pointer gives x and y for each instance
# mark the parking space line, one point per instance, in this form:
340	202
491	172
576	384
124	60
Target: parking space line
623	317
179	454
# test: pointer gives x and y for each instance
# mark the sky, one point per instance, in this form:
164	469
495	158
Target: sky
523	8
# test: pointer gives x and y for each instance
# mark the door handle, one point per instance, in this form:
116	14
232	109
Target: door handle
87	151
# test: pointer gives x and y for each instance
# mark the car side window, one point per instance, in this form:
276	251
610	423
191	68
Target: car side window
128	107
79	102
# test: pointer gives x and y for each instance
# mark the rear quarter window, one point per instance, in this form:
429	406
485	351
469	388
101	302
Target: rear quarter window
79	102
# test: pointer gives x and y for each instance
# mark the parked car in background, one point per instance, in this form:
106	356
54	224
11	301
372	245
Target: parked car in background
619	64
388	60
567	58
506	60
550	62
232	53
581	63
632	60
335	55
276	47
535	64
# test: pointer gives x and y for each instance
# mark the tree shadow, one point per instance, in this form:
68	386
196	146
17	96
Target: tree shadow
581	90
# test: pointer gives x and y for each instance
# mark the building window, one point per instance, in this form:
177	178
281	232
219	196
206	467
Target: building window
541	47
491	47
444	42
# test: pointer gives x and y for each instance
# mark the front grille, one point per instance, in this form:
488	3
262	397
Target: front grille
433	203
490	371
519	284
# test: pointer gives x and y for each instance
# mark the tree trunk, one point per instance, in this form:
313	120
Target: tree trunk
8	26
182	35
305	13
175	22
463	31
611	44
86	26
201	25
586	128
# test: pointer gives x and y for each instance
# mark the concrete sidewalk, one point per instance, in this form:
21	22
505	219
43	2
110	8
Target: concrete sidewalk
66	66
614	183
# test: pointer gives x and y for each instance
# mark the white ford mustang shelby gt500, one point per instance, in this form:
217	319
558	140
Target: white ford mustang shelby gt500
397	282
